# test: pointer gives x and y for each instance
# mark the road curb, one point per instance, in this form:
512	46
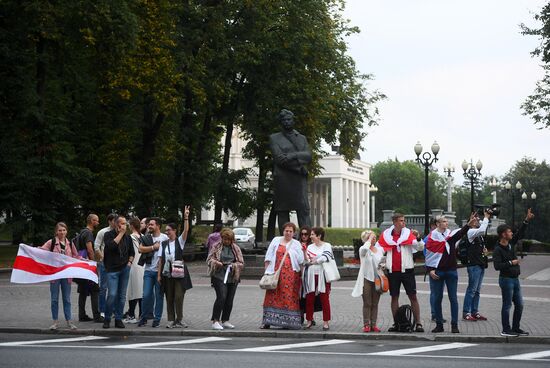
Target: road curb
286	334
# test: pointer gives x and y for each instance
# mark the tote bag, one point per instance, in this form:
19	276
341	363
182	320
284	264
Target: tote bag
330	267
381	282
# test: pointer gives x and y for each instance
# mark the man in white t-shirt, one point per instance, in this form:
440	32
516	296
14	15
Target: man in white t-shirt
152	295
99	245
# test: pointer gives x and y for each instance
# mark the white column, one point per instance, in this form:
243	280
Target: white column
373	209
326	191
336	202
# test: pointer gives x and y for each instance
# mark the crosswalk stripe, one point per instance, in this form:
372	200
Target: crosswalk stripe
173	342
535	355
68	339
422	349
299	345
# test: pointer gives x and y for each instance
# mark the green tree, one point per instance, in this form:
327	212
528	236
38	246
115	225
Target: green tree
401	187
534	177
537	105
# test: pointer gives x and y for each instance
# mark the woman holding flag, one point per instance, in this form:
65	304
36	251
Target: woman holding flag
60	244
441	264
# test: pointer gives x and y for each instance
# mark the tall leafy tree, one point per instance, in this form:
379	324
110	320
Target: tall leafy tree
537	105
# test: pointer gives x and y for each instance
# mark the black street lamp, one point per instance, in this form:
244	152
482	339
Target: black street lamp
472	173
512	191
427	160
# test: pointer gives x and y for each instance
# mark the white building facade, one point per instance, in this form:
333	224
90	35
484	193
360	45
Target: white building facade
339	197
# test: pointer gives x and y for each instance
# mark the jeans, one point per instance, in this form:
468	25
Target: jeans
449	278
66	292
432	298
511	292
117	283
471	298
151	294
102	286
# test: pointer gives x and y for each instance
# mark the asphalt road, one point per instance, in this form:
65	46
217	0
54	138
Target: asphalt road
25	350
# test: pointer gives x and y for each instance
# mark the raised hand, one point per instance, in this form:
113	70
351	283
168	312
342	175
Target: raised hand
530	215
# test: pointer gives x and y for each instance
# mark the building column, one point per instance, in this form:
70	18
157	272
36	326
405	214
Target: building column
337	202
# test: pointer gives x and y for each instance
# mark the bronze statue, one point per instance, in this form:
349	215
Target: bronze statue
291	155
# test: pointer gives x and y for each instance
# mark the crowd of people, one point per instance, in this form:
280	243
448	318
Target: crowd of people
138	263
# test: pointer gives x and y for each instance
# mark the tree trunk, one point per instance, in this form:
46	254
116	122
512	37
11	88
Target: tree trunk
218	201
260	208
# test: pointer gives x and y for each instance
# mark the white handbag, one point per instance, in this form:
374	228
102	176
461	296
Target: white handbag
270	282
330	268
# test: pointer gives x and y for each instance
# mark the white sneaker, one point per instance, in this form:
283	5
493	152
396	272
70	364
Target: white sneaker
54	326
131	320
170	324
71	325
226	324
216	326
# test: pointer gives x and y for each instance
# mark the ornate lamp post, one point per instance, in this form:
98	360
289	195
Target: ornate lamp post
373	189
512	191
472	173
427	160
449	170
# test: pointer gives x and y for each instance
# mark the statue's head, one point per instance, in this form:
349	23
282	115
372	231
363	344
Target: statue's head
286	118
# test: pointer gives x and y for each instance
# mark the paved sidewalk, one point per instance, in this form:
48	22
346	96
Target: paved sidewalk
26	308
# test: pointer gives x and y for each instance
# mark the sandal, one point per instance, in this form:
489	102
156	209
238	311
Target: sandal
419	328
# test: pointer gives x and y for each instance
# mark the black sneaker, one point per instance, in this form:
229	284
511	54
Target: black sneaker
438	328
107	324
142	322
435	321
419	328
156	323
119	324
454	328
85	318
509	333
393	328
99	319
520	332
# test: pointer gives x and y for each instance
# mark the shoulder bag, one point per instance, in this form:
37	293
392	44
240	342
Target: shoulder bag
330	268
381	282
270	282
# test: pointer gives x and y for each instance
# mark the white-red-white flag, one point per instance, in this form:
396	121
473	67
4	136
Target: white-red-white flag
33	265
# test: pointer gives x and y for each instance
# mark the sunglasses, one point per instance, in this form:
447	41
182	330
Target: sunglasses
304	234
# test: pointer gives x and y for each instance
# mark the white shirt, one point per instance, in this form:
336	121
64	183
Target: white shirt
170	252
155	261
99	244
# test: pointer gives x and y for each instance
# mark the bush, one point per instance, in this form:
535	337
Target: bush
339	236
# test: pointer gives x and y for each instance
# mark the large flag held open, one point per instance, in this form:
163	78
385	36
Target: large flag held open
33	265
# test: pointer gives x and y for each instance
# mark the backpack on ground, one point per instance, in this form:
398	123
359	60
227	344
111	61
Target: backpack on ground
462	250
404	319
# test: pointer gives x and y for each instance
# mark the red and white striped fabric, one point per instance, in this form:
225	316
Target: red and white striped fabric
436	245
388	244
33	265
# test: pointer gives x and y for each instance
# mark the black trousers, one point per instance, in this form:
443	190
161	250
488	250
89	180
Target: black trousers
94	298
225	293
284	216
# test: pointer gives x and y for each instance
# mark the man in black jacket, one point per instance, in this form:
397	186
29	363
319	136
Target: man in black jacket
506	261
118	257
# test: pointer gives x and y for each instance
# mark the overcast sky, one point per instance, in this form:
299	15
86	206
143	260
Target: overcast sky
454	71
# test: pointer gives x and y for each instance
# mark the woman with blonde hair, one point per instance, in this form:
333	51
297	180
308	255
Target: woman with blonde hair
60	244
225	263
371	256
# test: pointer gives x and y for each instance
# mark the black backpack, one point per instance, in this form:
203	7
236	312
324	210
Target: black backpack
404	319
462	250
